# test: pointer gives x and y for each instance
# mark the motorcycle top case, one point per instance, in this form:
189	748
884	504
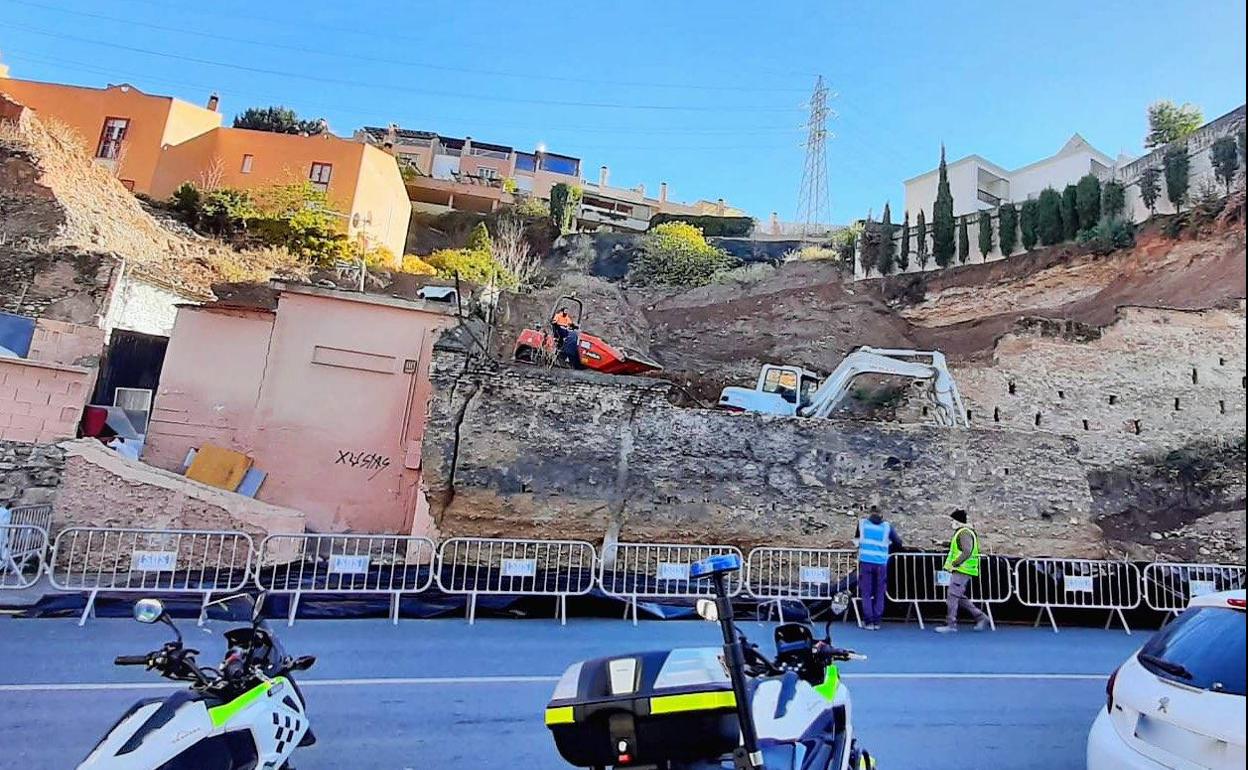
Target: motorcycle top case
645	708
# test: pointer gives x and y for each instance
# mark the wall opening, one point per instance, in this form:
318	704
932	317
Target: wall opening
924	411
1061	394
1006	471
1222	407
996	414
1037	419
1176	404
1086	426
1136	426
1012	388
1113	400
1221	361
968	415
1195	376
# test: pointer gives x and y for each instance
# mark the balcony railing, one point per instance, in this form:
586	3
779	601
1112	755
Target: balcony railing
988	197
481	152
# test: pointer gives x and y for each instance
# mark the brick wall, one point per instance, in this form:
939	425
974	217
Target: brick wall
41	402
69	344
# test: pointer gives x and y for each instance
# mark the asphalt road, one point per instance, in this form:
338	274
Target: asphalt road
441	694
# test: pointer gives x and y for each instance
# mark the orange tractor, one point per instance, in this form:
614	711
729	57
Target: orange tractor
562	343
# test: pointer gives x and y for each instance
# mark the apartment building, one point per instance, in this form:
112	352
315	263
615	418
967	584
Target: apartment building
443	173
977	183
154	143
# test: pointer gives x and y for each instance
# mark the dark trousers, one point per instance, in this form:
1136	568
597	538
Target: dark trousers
872	585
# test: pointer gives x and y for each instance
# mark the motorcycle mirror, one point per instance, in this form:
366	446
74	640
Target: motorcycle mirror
303	663
707	610
149	610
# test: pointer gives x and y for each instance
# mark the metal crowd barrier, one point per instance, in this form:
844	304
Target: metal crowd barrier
22	549
634	571
135	560
1098	584
918	578
350	564
1169	586
776	574
482	566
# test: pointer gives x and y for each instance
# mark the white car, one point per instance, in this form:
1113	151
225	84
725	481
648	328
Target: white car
1179	701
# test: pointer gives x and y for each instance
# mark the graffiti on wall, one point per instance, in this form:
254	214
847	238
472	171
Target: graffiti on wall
371	461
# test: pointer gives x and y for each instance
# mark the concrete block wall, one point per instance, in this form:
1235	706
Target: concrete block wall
70	344
41	402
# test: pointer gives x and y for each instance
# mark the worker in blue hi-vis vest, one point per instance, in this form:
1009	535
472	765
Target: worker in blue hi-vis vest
875	536
962	564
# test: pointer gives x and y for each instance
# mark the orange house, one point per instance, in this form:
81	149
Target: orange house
155	143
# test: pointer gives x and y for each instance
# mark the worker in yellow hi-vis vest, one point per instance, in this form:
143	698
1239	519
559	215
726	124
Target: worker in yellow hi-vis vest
962	564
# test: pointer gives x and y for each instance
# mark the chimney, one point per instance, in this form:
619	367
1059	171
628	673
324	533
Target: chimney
603	175
719	207
213	101
775	223
641	189
662	192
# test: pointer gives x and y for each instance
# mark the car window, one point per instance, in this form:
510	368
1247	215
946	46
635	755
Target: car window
1206	641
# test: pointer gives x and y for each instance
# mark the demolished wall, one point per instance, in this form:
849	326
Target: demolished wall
532	452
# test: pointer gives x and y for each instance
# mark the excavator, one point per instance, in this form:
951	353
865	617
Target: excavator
796	392
545	345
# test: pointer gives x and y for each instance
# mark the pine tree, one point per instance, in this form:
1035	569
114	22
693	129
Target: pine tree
942	217
887	249
921	236
985	233
903	258
1070	212
1049	217
964	241
1150	187
1007	229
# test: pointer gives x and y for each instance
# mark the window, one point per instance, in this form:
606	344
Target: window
247	159
526	161
111	137
1203	647
783	382
485	172
321	172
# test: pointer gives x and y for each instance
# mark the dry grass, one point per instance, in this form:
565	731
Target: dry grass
102	216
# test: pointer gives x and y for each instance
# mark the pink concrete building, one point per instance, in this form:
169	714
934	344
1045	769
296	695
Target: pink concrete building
326	389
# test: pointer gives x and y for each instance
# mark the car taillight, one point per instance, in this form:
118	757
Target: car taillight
1236	603
1109	690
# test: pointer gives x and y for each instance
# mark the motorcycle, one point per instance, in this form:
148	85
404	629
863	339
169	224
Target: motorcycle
247	713
709	709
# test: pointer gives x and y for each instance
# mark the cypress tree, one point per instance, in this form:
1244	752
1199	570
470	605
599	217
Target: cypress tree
964	241
1028	221
1113	199
985	233
942	217
921	235
1150	187
1088	192
867	251
1049	217
1070	212
888	249
1007	229
903	258
1175	163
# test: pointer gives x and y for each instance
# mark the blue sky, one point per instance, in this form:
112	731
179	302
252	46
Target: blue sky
706	96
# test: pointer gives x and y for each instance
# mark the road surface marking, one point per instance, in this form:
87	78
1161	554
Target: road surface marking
472	680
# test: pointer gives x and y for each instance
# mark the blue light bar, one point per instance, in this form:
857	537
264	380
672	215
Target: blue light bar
727	562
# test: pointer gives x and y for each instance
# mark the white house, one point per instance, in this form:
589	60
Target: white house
977	183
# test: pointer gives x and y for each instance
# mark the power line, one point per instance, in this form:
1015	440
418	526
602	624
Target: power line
812	196
362	57
319	107
392	87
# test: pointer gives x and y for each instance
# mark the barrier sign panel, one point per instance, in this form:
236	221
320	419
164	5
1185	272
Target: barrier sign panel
153	561
519	568
672	570
943	578
819	575
1201	587
349	564
1078	583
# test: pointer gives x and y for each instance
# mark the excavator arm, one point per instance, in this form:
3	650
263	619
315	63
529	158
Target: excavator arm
919	365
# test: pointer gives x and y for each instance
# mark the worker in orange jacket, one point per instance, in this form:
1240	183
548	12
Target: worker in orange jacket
565	337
